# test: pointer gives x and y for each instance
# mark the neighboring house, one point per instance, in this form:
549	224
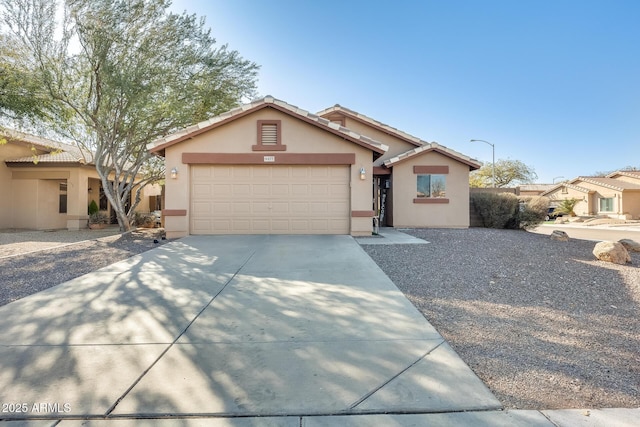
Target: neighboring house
46	184
533	189
272	168
617	195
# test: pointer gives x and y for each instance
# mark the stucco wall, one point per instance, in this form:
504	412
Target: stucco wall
631	204
238	136
454	214
8	151
48	205
396	145
582	208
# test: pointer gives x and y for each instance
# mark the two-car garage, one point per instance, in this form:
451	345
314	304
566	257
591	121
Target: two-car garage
268	168
270	199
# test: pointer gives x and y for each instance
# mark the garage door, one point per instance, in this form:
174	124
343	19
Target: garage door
269	199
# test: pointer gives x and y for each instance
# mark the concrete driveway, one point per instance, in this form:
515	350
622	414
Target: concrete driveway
269	326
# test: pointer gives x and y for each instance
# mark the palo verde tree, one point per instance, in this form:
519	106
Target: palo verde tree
118	74
507	173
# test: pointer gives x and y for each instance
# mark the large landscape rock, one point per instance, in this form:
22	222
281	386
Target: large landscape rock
630	245
611	252
560	236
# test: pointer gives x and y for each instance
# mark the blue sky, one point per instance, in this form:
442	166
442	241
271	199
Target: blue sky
554	84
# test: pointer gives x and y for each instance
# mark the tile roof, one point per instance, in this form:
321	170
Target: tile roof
536	187
159	145
55	157
632	174
57	152
434	146
568	185
612	183
368	120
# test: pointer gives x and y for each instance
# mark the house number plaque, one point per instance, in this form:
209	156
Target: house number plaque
270	159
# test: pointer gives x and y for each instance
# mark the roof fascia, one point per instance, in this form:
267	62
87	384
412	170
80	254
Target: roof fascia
390	163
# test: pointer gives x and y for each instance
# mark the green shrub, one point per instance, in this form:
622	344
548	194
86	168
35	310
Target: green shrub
93	207
496	210
566	206
532	211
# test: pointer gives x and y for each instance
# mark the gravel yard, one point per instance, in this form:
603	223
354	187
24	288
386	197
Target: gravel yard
61	256
543	323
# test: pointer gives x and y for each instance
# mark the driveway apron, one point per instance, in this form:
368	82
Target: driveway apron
230	326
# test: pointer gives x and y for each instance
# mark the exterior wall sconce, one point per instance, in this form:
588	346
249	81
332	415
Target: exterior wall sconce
90	190
174	173
362	174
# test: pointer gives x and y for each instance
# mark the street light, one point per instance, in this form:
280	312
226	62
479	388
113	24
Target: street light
493	149
554	179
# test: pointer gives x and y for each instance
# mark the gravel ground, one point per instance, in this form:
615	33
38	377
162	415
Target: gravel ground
63	256
543	323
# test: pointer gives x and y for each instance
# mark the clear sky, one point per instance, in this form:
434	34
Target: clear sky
552	83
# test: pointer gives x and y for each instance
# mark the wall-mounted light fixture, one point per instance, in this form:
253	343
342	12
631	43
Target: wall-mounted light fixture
90	190
174	173
362	174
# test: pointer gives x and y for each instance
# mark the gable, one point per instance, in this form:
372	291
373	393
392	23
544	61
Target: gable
191	132
241	136
453	155
397	140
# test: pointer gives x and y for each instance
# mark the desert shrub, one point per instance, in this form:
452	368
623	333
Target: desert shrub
99	217
496	210
144	220
532	211
566	206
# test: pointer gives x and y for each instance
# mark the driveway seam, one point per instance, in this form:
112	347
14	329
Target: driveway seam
128	390
372	392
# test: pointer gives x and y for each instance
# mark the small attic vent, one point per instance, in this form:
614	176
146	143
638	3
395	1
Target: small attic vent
269	134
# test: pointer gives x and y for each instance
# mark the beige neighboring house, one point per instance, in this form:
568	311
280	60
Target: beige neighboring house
533	190
616	195
269	167
46	184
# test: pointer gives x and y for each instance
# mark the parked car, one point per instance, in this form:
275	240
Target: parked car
552	214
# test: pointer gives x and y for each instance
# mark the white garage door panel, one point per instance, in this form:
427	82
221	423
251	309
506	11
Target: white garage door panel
270	199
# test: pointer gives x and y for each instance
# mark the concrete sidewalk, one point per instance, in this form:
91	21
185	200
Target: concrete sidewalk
241	331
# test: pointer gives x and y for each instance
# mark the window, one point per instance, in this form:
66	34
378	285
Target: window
606	204
431	186
269	136
62	206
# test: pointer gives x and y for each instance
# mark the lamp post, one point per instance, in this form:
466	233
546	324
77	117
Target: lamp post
493	150
554	179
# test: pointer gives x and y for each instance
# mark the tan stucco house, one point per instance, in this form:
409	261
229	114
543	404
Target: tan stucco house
46	184
616	195
269	167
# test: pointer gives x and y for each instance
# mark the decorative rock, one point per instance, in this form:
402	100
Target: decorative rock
611	252
630	245
560	236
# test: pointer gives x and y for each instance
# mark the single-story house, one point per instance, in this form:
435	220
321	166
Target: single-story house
533	190
616	195
46	184
269	167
